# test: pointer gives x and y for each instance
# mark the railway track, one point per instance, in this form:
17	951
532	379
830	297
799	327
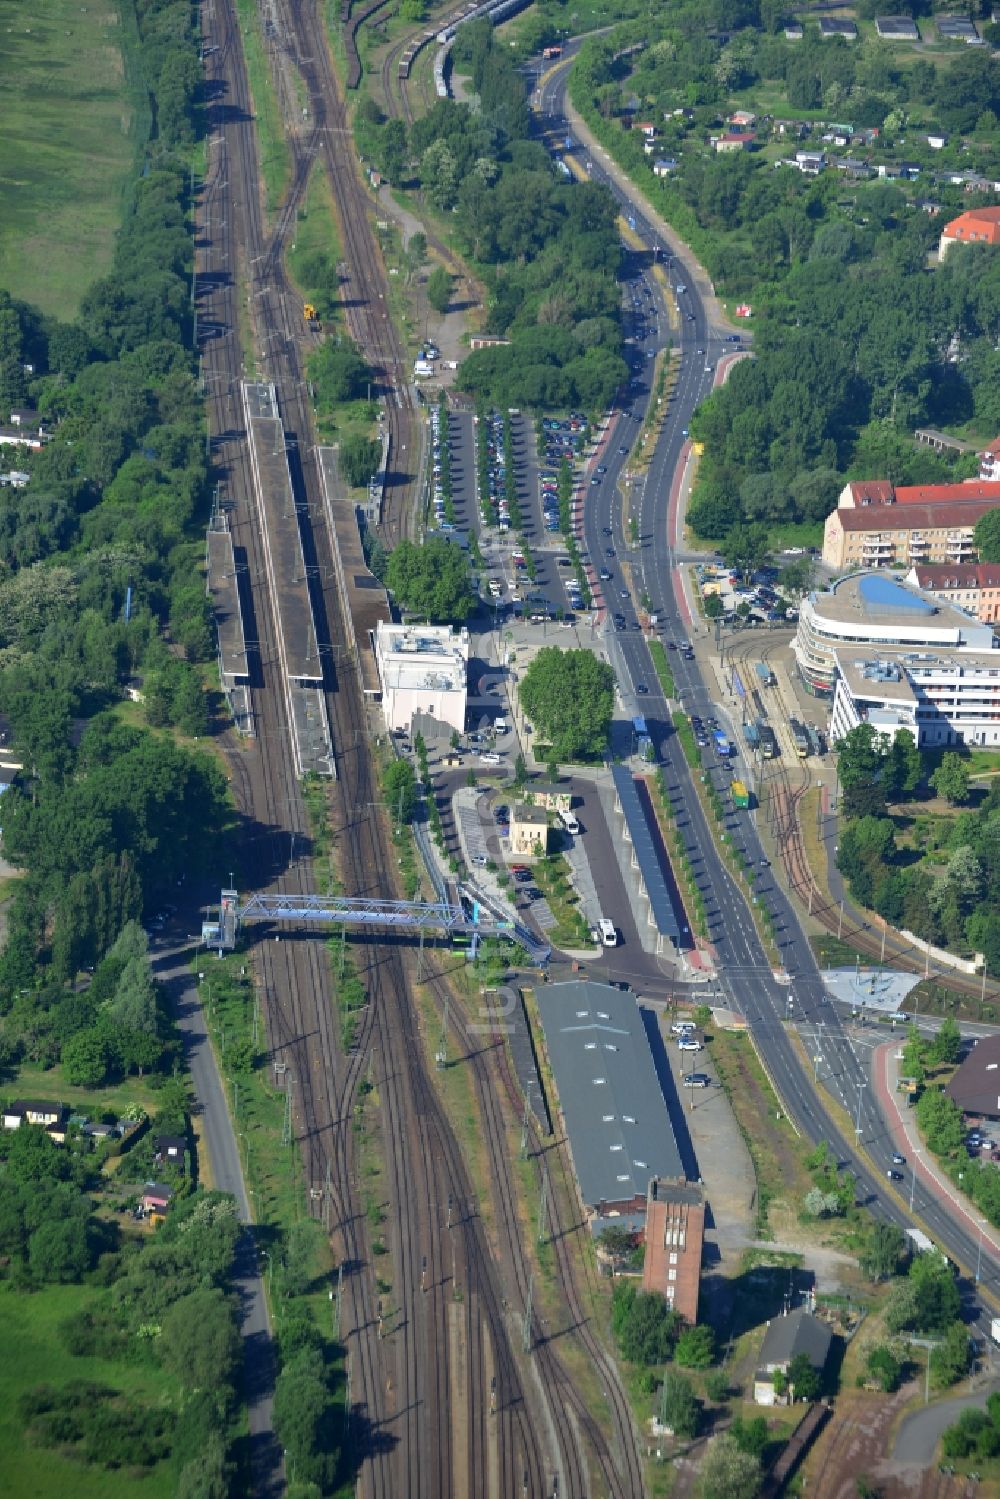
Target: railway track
400	1383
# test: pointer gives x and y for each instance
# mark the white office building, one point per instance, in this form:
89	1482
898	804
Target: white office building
422	669
895	657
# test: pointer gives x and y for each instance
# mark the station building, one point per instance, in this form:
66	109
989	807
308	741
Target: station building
422	669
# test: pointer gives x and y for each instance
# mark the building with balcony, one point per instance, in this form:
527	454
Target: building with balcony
877	524
870	613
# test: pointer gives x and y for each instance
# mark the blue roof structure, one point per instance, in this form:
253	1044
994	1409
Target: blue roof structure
885	596
640	836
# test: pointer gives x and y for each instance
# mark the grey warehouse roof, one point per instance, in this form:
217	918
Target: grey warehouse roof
619	1129
641	838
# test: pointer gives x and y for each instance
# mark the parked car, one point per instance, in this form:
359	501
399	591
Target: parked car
697	1080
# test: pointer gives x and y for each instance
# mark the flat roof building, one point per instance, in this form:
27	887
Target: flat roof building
422	669
869	614
615	1116
675	1236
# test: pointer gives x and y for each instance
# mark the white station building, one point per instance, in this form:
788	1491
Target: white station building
897	658
422	669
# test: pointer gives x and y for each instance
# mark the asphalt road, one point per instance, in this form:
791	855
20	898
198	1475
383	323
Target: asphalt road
170	962
744	974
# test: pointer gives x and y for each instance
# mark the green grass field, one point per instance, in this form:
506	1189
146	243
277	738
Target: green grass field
33	1355
65	148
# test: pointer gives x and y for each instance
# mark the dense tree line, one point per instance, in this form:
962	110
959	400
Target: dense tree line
856	342
951	895
547	249
100	581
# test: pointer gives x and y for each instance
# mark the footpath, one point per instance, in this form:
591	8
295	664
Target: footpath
905	1138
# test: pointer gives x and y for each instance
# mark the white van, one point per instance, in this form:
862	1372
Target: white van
490	757
569	822
607	930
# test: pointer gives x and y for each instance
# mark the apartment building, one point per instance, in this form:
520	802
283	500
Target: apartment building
877	524
972	586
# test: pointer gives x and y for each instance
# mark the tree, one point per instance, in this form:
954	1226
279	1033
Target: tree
338	371
952	1358
644	1324
302	1417
439	289
58	1250
359	458
946	1046
882	1251
936	1300
750	1435
951	779
617	1243
695	1347
200	1342
399	785
85	1059
987	536
727	1472
714	607
680	1408
431	580
941	1121
745	547
859	755
569	695
803	1378
884	1368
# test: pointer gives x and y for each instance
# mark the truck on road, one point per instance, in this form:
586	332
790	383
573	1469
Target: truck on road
722	745
920	1241
765	674
741	796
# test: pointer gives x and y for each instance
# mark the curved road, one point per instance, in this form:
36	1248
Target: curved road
745	976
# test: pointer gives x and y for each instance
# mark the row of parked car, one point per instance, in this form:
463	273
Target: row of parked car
439	439
562	440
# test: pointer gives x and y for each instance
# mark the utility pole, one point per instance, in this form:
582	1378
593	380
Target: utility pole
840	922
338	1303
526	1322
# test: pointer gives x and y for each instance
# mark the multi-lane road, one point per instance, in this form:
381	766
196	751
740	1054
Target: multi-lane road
745	976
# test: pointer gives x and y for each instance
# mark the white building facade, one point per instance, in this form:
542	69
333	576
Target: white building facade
422	669
896	657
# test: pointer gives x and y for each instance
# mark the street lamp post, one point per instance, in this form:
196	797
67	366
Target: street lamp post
857	1122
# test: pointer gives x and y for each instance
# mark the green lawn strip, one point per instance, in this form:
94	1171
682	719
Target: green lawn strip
75	114
552	876
272	1169
272	147
664	675
34	1354
315	251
